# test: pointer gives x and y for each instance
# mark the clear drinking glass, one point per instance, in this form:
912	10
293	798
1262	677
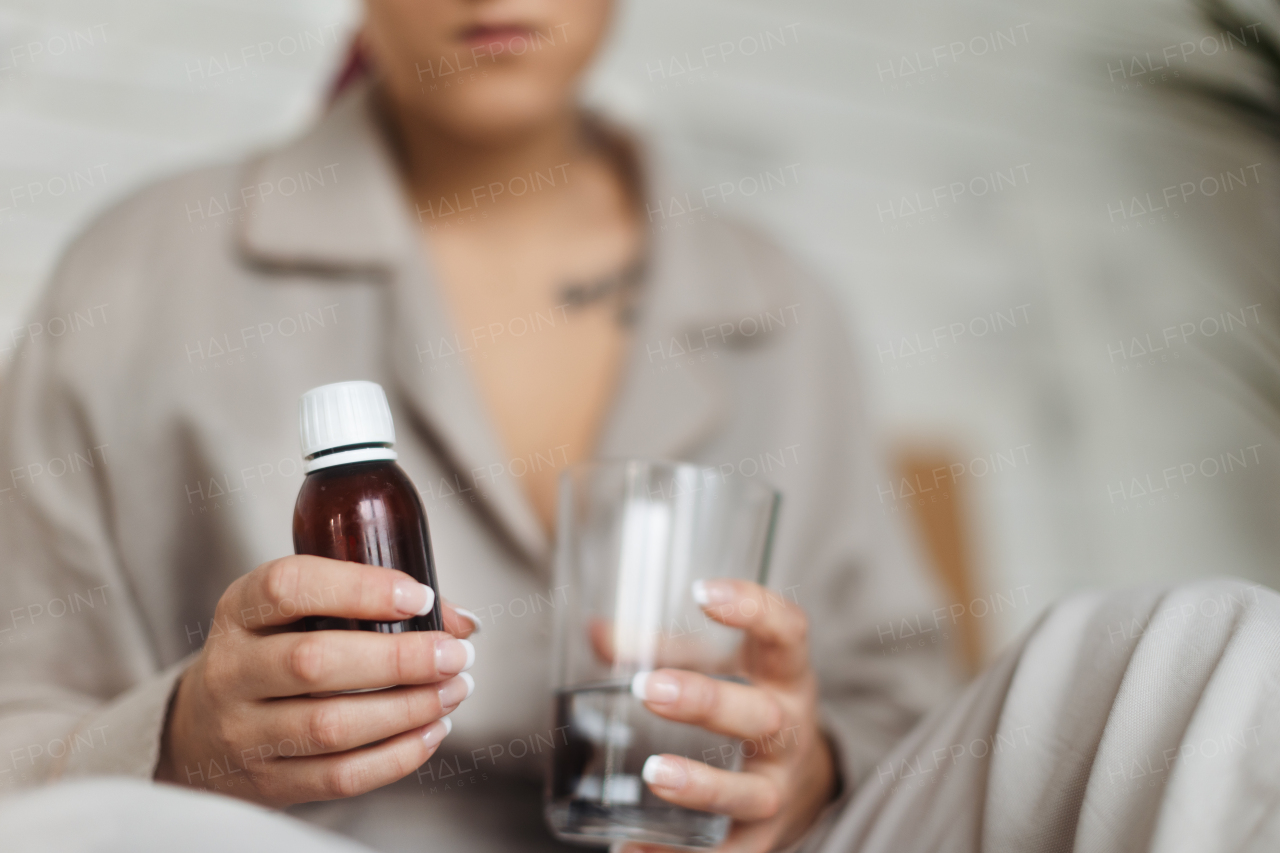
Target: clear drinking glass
632	538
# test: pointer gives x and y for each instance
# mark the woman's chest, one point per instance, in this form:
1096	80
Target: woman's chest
545	370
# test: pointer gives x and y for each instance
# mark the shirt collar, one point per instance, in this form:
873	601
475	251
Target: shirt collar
336	206
333	200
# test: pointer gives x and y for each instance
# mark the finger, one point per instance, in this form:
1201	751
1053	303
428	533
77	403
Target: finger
694	785
298	663
777	629
673	652
736	710
459	621
338	723
600	635
283	591
751	837
348	774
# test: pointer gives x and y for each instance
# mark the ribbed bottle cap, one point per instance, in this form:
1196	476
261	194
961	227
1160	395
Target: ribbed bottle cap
344	414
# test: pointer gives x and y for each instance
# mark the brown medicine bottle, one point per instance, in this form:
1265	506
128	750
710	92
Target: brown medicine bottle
356	503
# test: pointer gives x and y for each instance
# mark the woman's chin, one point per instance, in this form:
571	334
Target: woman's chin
485	118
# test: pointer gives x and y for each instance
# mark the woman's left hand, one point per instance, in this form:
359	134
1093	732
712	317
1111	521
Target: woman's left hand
788	772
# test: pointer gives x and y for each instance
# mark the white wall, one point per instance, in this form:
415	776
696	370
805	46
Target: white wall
839	104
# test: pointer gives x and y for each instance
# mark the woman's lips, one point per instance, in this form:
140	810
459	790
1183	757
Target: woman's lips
512	37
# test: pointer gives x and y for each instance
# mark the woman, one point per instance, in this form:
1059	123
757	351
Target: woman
457	230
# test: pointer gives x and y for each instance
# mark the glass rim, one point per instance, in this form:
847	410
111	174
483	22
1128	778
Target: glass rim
743	484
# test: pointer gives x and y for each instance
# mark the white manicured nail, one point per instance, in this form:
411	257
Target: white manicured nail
662	690
471	683
407	591
448	723
661	772
712	593
434	734
471	654
430	602
470	617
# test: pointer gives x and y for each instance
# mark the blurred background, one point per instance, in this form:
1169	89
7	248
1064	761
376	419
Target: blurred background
1052	225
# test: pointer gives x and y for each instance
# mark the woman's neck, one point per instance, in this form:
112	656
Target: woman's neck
502	251
500	175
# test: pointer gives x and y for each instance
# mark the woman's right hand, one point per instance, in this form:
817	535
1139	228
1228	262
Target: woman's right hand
243	719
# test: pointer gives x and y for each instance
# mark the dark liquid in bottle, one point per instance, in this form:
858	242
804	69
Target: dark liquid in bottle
366	512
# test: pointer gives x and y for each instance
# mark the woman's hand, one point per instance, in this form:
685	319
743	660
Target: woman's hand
243	719
788	773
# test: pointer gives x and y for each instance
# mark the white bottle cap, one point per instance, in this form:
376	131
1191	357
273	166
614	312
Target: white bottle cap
352	415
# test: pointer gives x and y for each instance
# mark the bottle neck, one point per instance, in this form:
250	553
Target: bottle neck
347	455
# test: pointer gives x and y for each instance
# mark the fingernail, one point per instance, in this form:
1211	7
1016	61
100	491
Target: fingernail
453	691
436	732
447	719
663	772
655	687
710	593
413	598
454	656
470	617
